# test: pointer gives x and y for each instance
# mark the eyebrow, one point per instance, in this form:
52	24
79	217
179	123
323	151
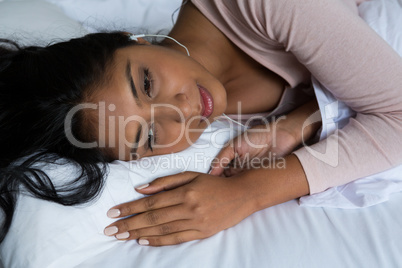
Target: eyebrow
131	83
137	140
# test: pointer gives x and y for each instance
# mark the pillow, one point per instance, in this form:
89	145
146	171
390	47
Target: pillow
137	16
36	23
65	236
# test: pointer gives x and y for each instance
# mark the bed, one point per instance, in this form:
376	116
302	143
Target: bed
356	228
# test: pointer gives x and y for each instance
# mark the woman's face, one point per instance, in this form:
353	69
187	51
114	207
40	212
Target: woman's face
157	101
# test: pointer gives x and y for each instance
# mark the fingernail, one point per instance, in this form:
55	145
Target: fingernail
143	242
123	235
142	186
111	230
210	170
113	213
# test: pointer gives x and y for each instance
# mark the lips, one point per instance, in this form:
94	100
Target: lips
207	102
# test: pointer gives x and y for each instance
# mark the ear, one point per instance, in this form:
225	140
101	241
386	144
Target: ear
142	41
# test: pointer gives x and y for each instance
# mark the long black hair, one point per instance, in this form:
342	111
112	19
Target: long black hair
38	87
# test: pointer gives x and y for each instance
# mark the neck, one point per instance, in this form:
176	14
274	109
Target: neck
206	44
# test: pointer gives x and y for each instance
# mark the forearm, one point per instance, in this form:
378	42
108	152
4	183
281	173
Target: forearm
272	186
358	68
296	122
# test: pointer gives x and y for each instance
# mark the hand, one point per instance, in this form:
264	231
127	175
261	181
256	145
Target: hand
261	143
184	207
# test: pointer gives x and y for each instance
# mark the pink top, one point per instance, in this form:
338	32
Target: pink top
328	40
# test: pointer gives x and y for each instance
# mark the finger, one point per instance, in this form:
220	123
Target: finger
157	201
171	239
162	229
167	183
222	160
147	219
160	200
231	171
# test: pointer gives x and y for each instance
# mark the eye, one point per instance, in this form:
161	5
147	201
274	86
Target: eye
147	82
151	137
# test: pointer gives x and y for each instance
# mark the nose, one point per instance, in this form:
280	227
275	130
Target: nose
178	109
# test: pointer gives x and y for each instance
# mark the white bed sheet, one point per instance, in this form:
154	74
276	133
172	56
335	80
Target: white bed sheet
286	235
45	234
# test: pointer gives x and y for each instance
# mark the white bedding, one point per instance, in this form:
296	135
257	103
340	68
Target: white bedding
49	235
287	235
151	16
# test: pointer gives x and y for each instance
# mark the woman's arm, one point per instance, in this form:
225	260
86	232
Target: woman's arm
359	68
298	121
265	142
347	57
190	206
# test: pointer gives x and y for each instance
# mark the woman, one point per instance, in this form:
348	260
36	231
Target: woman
129	79
335	46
